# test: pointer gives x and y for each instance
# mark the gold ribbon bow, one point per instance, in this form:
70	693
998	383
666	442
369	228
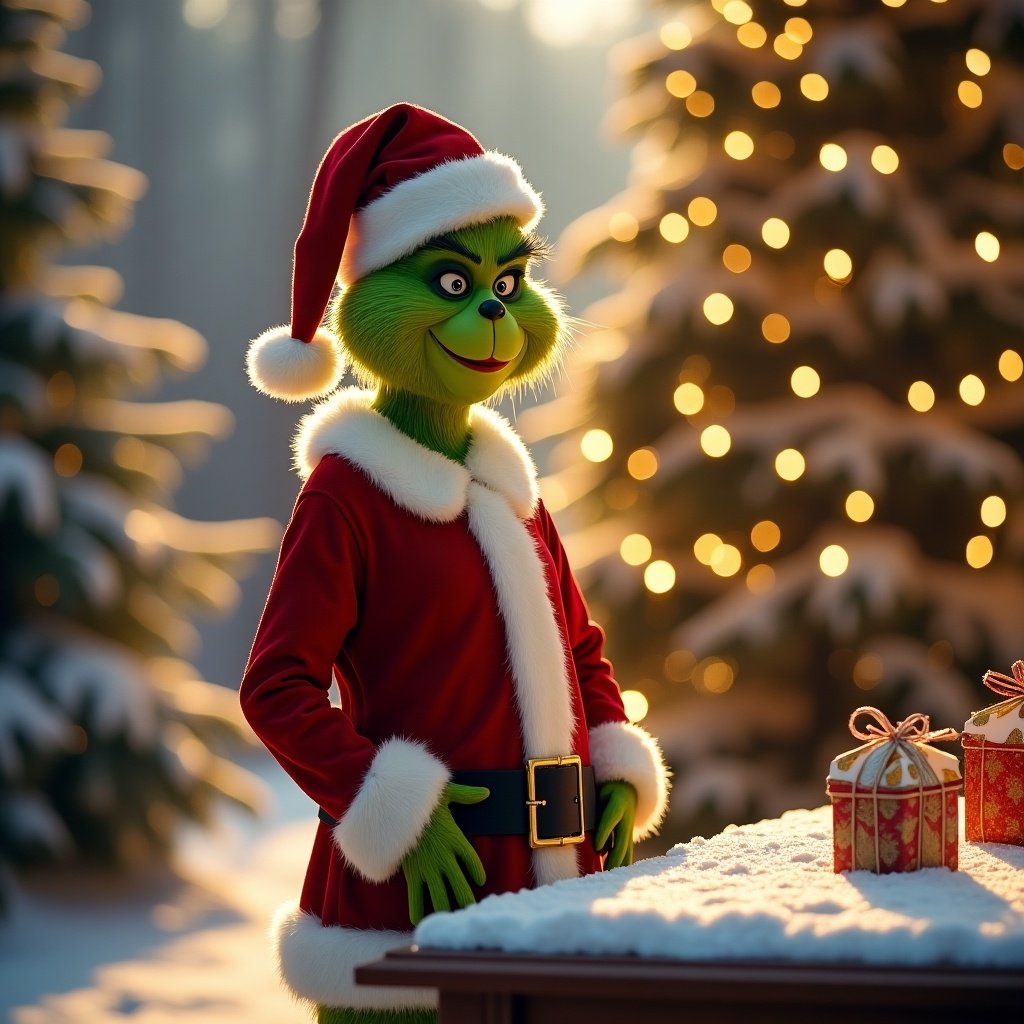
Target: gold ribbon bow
915	729
1004	685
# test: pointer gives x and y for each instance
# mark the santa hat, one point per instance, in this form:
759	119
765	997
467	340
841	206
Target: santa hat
386	185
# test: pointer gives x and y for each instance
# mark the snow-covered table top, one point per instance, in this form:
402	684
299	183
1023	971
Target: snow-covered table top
762	891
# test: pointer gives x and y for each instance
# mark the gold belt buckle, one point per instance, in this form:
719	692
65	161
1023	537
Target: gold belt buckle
532	803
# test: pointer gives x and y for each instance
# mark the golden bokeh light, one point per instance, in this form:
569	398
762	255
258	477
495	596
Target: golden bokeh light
642	464
986	245
715	440
716	676
739	145
675	35
67	460
1011	365
659	577
838	264
884	159
760	578
61	390
766	95
765	535
790	464
623	226
700	103
702	211
1013	156
814	86
775	328
679	666
718	308
867	671
834	560
674	228
860	506
775	232
787	47
752	35
680	84
978	62
46	590
979	551
736	258
805	382
972	390
597	445
705	546
737	12
635	549
688	398
799	30
970	94
993	511
635	704
832	156
726	560
920	396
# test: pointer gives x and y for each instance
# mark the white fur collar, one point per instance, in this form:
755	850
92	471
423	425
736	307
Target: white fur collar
420	480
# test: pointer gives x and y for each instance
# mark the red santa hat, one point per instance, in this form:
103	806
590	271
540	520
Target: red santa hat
385	186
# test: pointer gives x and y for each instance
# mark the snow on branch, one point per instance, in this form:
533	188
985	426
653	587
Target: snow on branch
26	474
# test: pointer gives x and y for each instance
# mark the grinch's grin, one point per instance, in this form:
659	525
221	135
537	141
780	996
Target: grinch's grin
489	365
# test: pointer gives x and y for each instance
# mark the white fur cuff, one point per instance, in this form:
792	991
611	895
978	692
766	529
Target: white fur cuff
402	787
293	370
619	750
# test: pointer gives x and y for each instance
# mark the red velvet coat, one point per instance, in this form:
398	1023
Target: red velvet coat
440	599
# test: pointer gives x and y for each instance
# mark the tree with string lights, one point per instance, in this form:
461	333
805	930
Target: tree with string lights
802	420
108	737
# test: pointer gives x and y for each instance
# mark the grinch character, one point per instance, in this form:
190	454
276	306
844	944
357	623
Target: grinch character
480	743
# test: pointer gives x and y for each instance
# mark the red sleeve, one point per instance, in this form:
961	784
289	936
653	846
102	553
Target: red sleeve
601	700
310	609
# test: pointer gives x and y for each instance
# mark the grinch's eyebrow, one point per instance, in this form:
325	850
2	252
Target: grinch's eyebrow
449	243
529	247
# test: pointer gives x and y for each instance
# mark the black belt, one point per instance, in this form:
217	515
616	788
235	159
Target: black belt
550	817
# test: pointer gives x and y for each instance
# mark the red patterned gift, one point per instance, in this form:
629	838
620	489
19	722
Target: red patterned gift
894	798
993	741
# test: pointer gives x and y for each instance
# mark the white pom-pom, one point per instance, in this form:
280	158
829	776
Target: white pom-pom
285	367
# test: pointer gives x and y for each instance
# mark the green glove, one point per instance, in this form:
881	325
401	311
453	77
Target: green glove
618	811
434	860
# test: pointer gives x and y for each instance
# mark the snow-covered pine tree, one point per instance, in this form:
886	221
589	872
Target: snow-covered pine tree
803	418
107	735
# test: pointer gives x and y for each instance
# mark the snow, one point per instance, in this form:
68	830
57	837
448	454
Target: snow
763	891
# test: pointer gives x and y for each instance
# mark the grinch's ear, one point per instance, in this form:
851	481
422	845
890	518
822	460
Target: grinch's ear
294	370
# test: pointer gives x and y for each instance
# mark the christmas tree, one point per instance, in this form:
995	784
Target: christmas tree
107	735
801	414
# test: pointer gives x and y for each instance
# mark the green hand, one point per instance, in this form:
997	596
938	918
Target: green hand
434	860
618	811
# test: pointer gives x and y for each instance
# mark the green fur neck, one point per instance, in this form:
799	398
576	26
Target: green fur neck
440	427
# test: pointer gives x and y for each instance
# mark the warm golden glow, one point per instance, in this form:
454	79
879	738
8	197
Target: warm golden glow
979	551
702	211
1013	156
659	577
635	704
838	264
833	560
832	156
736	258
765	535
596	445
790	464
700	103
766	95
799	30
775	328
786	47
737	12
718	308
46	590
970	94
726	560
752	35
987	246
635	549
760	578
675	35
623	226
674	228
715	440
993	511
705	546
679	666
867	670
642	464
978	62
920	396
67	460
680	84
972	390
688	398
716	676
860	506
775	232
739	145
884	159
1011	366
805	381
814	86
61	390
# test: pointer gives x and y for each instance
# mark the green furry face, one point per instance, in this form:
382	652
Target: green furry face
457	321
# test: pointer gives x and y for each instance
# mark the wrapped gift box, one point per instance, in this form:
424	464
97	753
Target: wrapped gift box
993	740
894	798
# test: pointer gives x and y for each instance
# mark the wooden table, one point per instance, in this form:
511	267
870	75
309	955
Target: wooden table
483	987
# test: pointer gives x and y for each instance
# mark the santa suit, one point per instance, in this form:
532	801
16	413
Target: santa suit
439	597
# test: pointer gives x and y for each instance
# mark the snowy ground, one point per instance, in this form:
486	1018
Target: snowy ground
186	945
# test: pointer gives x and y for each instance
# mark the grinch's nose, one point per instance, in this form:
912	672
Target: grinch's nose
491	309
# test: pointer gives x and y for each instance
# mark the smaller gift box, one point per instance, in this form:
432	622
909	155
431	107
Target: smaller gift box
894	798
993	740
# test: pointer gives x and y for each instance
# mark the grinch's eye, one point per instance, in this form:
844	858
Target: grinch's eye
453	284
507	286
